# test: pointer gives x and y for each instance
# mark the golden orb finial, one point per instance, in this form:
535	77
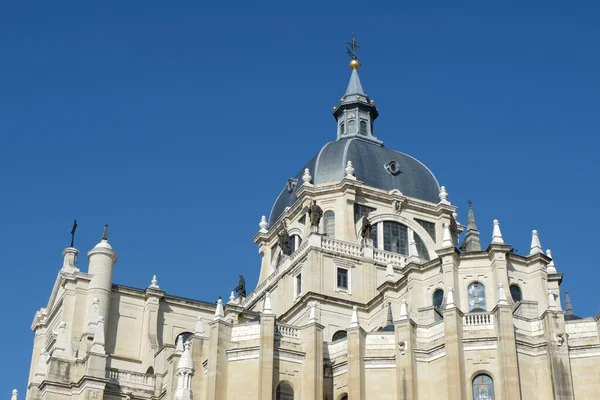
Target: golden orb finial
354	64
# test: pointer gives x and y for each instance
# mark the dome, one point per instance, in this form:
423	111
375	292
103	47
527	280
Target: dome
374	165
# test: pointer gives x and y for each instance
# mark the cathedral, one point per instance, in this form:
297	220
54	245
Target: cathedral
369	288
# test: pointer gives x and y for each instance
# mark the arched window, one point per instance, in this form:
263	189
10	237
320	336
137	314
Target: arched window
295	242
150	371
438	298
342	129
351	126
515	293
363	127
344	397
186	336
476	296
339	335
329	223
483	387
421	249
284	391
395	237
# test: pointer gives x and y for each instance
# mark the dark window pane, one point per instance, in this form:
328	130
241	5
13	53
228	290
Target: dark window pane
363	128
438	298
339	335
483	388
342	278
423	253
329	223
395	237
476	296
428	226
360	211
515	293
298	284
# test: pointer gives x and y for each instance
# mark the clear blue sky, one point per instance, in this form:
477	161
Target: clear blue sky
178	124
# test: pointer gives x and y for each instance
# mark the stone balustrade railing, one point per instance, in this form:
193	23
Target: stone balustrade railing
131	379
286	331
480	320
338	246
388	257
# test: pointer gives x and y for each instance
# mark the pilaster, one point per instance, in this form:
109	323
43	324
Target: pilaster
220	339
265	356
558	355
149	342
455	364
406	364
312	382
507	353
356	365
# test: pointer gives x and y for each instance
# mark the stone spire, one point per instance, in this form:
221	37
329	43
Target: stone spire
550	268
354	318
356	112
569	306
267	309
219	313
551	301
536	246
471	242
496	234
403	310
185	371
390	316
447	236
15	393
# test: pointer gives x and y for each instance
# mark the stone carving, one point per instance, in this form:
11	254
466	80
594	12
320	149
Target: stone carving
366	229
284	240
241	287
315	213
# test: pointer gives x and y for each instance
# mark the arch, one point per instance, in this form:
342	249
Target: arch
363	127
295	242
343	396
483	387
186	336
150	371
515	293
415	226
351	126
329	223
342	129
476	297
438	298
421	248
339	335
284	391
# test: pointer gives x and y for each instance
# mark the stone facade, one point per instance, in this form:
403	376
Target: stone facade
403	314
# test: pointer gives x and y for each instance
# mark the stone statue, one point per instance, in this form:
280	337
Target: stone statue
241	287
315	213
284	241
365	230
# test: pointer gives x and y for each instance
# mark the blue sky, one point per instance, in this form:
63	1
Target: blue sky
178	125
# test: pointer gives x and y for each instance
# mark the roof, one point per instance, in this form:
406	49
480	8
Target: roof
369	160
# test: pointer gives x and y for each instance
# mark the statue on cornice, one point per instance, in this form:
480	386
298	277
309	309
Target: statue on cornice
366	229
283	240
241	287
315	213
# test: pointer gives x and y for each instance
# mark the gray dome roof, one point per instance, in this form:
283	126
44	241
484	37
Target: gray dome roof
369	159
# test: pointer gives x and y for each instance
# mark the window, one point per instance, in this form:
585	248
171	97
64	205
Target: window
360	211
344	397
295	242
298	284
395	237
284	391
363	127
339	335
483	388
302	219
515	293
428	226
329	223
438	298
342	278
185	336
342	129
421	249
374	235
351	126
476	296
